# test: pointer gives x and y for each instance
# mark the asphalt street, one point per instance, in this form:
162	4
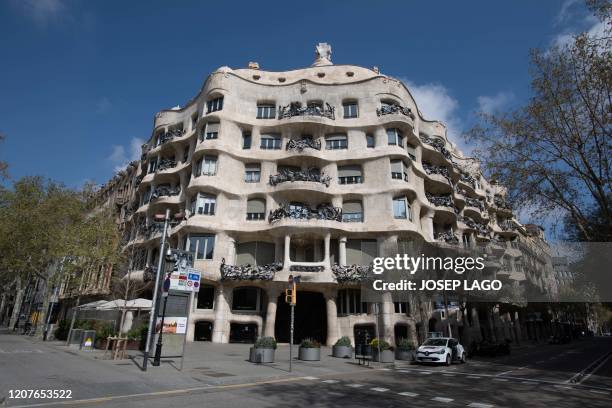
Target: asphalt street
572	375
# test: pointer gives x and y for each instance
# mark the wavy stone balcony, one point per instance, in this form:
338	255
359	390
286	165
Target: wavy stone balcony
249	272
470	223
474	203
437	145
467	179
322	212
165	164
351	273
296	109
164	191
444	201
288	175
430	169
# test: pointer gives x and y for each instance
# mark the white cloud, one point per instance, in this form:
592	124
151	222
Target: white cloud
436	103
42	12
576	22
565	13
492	104
121	157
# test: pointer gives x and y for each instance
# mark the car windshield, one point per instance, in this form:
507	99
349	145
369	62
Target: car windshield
435	342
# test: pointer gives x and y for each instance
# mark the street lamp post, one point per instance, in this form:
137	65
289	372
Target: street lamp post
158	347
153	314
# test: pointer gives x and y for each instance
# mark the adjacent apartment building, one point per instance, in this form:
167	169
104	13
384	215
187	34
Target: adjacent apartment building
311	172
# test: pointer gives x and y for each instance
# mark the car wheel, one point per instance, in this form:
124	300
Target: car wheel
463	358
448	360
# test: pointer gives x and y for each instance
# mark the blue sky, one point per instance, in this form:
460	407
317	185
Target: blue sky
80	81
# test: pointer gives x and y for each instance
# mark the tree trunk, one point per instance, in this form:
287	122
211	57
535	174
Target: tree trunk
41	322
19	292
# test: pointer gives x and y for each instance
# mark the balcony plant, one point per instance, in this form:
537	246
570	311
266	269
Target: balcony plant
310	350
405	349
342	348
263	350
386	351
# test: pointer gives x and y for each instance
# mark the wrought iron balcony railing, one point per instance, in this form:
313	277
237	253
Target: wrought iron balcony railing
249	272
306	268
322	212
165	164
501	203
441	170
507	226
351	273
468	178
390	109
311	174
169	135
448	237
165	191
438	145
352	217
474	202
303	143
296	109
482	229
440	200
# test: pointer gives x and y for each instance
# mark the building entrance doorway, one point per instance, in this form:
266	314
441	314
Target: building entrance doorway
310	318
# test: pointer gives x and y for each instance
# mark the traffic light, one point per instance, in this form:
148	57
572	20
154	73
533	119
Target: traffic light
291	295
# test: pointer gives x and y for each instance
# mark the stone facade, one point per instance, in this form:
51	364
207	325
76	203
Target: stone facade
304	172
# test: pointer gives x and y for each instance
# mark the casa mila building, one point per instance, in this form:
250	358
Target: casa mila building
310	172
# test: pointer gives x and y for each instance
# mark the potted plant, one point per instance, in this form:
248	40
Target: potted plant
405	349
263	350
310	350
386	351
342	348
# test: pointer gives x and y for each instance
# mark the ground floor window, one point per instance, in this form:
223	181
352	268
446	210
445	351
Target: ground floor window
247	300
349	302
206	297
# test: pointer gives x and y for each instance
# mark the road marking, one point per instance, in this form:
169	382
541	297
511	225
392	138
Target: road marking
479	405
504	373
448	375
385	369
441	399
500	379
529	382
565	387
408	394
330	381
379	389
600	392
354	385
586	377
405	371
474	377
310	378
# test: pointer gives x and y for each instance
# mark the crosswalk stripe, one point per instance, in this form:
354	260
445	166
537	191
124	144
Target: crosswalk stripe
408	394
354	385
379	389
330	381
311	378
479	405
441	399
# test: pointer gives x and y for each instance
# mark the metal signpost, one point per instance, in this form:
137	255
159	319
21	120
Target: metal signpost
291	298
153	313
158	348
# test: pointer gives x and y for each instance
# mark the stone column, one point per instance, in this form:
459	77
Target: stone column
342	251
477	335
287	256
427	225
332	317
231	251
326	250
278	250
270	322
387	310
221	327
517	327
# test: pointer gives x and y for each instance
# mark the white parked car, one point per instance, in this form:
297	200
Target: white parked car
440	350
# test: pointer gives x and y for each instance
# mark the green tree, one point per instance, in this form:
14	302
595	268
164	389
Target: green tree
554	153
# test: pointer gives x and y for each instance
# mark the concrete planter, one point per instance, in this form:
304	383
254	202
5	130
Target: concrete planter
404	354
342	351
261	355
386	356
309	354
